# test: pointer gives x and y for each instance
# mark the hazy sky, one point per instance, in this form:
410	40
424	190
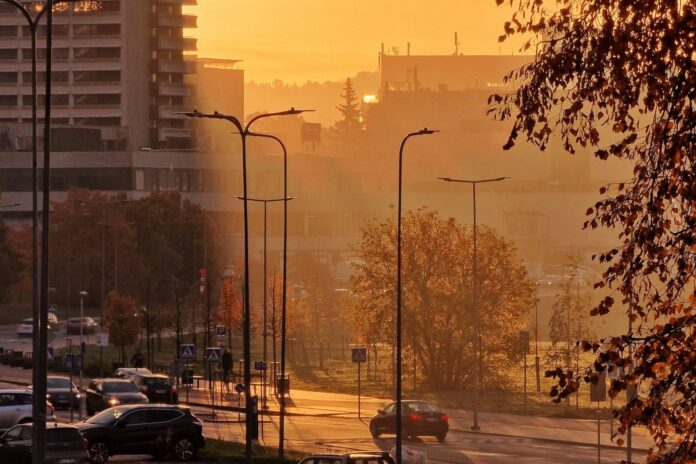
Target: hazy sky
299	40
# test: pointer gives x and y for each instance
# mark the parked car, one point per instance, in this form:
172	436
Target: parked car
15	408
73	325
157	388
153	429
367	457
418	418
64	445
105	393
130	372
61	392
15	358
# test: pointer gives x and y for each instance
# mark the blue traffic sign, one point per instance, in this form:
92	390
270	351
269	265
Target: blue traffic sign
187	352
221	331
212	355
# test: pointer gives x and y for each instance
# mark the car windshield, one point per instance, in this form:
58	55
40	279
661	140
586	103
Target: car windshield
58	383
120	387
157	382
107	416
424	407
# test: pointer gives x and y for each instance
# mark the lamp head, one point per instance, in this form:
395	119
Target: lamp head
293	111
83	293
427	131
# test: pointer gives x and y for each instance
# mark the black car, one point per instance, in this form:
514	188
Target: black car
61	392
155	429
105	393
64	445
157	388
418	418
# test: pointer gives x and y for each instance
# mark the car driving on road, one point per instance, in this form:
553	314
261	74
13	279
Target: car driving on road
418	419
74	324
64	445
130	372
155	429
157	388
105	393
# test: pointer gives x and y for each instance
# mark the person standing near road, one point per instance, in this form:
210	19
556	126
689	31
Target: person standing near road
137	359
226	368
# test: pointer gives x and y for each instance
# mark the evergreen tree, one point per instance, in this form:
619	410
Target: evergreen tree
349	128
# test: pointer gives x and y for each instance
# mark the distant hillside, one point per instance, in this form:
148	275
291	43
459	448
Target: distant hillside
320	96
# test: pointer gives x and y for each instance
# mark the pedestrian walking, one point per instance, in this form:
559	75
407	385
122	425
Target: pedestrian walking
137	359
226	368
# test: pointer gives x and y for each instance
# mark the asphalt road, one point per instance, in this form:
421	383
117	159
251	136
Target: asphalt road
343	434
10	340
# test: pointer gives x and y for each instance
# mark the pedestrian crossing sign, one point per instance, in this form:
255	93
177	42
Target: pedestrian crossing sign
212	355
187	352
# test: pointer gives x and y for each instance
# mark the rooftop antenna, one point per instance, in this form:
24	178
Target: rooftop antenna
456	44
408	48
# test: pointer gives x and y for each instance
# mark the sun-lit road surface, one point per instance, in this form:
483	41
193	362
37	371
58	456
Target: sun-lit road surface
341	434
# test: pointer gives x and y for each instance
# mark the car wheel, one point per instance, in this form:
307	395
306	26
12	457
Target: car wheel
374	431
441	437
184	449
98	452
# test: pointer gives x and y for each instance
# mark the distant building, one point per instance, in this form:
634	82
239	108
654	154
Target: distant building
118	69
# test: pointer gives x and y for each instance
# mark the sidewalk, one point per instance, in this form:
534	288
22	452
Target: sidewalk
345	407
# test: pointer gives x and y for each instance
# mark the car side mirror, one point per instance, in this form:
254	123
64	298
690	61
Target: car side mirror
379	411
120	424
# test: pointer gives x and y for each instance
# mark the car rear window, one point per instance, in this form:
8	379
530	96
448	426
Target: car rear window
120	387
63	434
156	382
58	383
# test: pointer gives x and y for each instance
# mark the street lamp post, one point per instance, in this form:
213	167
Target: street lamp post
477	319
40	289
244	132
265	279
399	436
83	294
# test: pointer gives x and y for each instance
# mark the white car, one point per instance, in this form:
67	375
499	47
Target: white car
15	408
26	327
130	372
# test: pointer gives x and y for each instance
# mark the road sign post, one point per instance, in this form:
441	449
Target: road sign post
212	356
69	365
359	356
598	393
524	345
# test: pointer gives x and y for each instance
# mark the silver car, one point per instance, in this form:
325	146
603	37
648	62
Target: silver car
15	408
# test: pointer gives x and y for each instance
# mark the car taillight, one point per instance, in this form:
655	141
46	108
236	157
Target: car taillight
143	388
49	408
173	388
414	417
444	418
86	443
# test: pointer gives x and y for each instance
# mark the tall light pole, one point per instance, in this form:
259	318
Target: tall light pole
283	311
399	437
83	294
477	320
244	132
39	288
265	277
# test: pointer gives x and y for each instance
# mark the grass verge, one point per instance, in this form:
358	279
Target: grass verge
219	451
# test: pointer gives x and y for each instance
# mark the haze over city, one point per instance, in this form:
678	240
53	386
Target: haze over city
347	232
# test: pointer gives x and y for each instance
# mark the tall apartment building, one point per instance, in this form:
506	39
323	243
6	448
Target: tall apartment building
118	69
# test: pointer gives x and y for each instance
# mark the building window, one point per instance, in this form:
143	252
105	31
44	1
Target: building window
97	76
90	30
56	76
8	31
96	6
8	100
97	99
98	122
56	99
105	53
59	30
8	54
58	53
8	77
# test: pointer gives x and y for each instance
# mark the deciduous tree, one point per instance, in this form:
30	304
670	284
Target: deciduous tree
627	66
437	299
122	319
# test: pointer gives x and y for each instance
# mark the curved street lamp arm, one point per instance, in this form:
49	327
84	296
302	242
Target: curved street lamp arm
290	112
23	10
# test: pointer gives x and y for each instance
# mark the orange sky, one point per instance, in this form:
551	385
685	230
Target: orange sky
299	40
